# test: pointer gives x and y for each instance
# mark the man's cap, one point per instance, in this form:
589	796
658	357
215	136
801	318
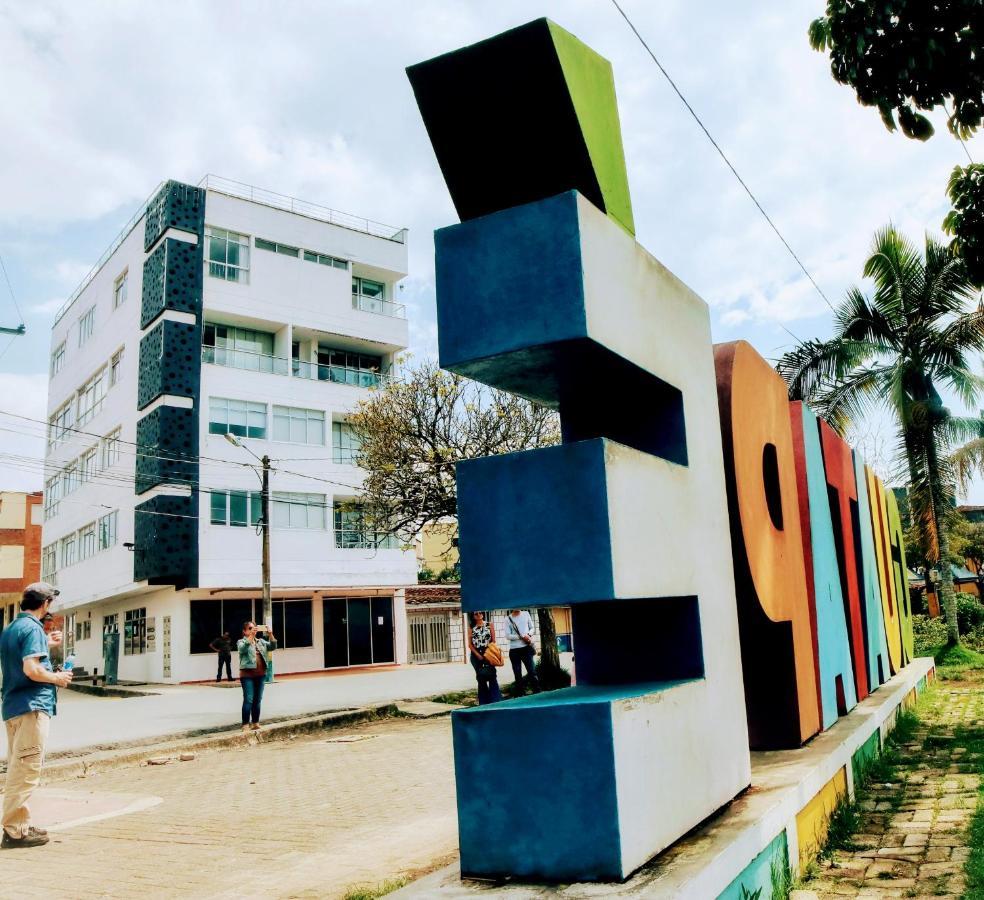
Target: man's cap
41	590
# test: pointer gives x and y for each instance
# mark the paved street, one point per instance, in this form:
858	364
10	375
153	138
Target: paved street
84	720
307	818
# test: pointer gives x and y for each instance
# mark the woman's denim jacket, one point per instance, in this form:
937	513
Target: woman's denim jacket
247	651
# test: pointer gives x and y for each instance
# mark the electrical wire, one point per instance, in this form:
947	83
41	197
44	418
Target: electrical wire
10	288
723	156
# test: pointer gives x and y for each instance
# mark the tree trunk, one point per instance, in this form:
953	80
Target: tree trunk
948	599
549	655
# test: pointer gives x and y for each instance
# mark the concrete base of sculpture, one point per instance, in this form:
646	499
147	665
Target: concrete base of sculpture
591	781
781	820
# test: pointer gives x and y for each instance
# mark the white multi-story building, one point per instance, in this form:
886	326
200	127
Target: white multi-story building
222	310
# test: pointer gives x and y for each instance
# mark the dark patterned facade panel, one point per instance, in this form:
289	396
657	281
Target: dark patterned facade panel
165	537
170	362
172	279
175	205
167	448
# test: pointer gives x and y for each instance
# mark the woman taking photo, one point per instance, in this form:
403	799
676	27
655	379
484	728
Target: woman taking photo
479	637
254	660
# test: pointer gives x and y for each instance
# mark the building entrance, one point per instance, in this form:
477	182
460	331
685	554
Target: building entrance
358	631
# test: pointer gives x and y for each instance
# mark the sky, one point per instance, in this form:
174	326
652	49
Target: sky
101	101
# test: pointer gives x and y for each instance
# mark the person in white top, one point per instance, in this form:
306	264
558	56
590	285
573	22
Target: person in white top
521	650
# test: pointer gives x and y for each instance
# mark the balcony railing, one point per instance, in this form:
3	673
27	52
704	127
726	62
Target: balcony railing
379	306
246	359
339	374
353	539
303	208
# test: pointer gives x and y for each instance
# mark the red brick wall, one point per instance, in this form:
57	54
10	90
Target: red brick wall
28	536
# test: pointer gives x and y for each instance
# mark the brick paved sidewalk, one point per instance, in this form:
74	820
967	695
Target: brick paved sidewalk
913	840
305	818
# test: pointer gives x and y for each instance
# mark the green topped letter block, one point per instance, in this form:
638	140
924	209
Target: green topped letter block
521	117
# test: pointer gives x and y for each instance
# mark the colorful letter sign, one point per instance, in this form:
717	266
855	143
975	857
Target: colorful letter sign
734	572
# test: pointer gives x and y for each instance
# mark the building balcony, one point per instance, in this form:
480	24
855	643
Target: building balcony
246	359
379	306
364	378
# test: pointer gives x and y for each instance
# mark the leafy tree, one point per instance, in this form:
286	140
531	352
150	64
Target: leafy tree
908	55
416	429
965	221
916	332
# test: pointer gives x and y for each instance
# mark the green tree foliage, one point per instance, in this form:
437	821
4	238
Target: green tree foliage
965	221
907	55
922	328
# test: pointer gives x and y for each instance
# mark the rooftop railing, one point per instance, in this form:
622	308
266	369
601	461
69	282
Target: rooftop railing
302	207
379	306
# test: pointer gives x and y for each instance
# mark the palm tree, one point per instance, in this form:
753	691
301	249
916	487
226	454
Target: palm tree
895	349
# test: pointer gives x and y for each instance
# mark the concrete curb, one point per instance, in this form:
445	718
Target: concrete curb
80	765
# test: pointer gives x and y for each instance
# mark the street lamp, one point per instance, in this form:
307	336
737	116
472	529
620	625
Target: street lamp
265	525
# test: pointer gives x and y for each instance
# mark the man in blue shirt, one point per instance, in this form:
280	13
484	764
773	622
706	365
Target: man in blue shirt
29	691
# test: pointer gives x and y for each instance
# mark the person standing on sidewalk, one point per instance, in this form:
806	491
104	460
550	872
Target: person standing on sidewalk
254	660
29	700
482	634
521	649
223	646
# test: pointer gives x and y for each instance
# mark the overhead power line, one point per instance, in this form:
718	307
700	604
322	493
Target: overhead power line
723	156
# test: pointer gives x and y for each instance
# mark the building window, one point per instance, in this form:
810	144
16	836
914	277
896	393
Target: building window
283	249
236	508
58	359
91	396
325	260
228	254
299	426
210	618
107	530
345	444
68	551
119	290
70	479
83	630
135	632
87	465
365	287
111	624
241	417
241	348
292	623
111	449
351	532
87	541
52	488
49	563
116	367
61	423
87	325
294	510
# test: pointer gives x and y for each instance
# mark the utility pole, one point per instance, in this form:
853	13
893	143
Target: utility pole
19	330
265	512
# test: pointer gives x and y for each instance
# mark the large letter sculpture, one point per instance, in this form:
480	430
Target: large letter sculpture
774	615
543	291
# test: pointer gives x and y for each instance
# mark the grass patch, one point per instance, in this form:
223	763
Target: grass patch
371	892
457	698
957	658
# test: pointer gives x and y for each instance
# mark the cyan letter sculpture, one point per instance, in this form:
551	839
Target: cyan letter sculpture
543	291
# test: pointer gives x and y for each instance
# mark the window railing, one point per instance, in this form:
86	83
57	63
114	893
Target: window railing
246	359
379	306
303	208
339	374
354	539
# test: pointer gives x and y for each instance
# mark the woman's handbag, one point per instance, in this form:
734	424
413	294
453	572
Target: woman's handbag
493	654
